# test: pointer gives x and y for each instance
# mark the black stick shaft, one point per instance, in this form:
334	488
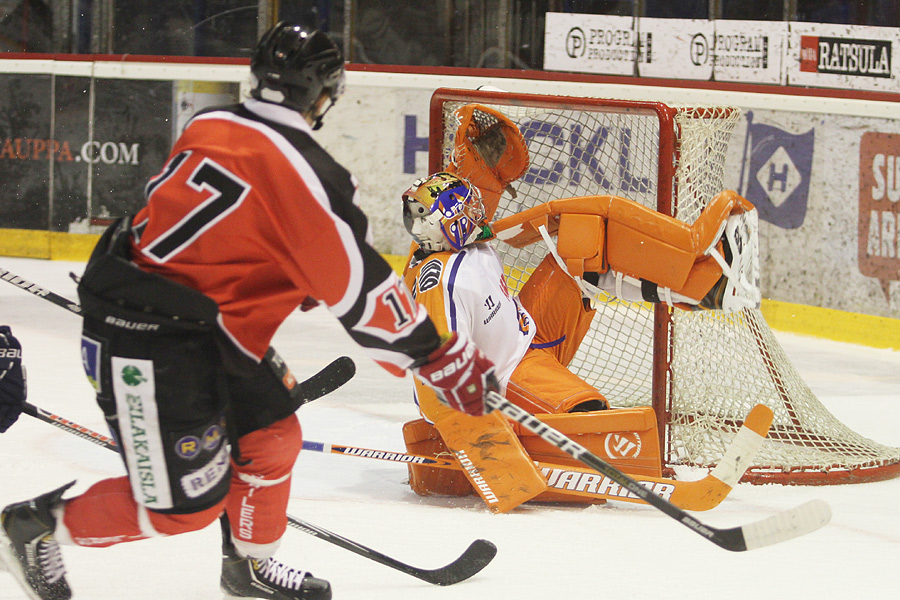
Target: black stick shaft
339	372
778	528
33	288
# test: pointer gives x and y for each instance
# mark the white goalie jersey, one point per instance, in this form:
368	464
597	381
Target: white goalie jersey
466	291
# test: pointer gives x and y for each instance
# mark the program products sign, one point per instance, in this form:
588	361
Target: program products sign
749	51
590	44
676	48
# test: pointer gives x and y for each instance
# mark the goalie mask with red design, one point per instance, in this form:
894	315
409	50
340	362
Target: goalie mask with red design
443	212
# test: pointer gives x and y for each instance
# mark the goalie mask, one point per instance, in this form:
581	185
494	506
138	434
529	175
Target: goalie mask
443	212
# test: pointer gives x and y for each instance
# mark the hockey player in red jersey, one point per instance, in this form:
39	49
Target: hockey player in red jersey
248	219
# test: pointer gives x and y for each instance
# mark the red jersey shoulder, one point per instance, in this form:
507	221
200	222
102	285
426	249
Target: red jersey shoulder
390	311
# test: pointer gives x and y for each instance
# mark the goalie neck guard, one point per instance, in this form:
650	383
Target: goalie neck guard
443	212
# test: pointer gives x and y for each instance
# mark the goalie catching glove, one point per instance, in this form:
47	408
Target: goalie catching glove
460	374
12	379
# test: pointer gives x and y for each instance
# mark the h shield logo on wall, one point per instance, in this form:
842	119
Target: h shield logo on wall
775	172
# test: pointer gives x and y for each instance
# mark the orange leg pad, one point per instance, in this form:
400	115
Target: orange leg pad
580	242
625	437
423	439
553	299
541	384
703	276
492	458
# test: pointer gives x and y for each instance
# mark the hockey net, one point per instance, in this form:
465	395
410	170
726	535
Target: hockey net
701	371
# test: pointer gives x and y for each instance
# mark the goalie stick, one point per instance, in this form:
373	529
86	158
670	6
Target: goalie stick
330	378
705	494
475	558
780	527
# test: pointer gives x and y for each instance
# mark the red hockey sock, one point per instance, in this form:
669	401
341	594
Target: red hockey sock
260	489
107	514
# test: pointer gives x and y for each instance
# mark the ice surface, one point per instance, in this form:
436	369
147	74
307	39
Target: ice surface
619	550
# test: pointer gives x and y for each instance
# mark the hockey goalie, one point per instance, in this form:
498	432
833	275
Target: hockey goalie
598	246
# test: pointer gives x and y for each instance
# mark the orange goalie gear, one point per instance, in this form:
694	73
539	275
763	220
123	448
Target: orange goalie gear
602	233
489	151
626	438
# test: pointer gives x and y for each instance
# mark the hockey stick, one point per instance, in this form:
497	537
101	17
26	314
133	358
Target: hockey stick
780	527
399	457
330	378
704	494
35	289
475	558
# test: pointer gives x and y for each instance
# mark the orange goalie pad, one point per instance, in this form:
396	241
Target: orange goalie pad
493	460
626	438
489	151
638	241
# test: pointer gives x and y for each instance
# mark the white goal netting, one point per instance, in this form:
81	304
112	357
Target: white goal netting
701	371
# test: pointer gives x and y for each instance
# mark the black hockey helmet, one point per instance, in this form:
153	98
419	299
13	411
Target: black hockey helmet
292	65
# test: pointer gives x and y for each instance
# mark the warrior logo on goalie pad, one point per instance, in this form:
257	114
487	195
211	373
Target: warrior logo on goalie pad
595	484
477	480
622	445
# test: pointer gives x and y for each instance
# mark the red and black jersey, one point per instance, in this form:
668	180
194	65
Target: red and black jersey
252	212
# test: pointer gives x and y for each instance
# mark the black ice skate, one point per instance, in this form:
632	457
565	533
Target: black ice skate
251	578
29	550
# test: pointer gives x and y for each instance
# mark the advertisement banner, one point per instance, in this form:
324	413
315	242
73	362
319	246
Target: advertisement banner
28	151
851	57
879	207
749	51
676	48
132	135
827	189
776	171
590	44
61	167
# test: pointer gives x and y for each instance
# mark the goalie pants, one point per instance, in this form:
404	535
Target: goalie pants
542	382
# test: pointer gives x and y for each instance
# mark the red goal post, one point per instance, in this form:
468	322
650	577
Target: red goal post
701	371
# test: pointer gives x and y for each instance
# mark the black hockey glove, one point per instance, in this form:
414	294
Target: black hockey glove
12	379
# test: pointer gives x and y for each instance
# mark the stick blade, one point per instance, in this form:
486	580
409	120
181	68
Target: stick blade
800	520
476	557
740	453
334	375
